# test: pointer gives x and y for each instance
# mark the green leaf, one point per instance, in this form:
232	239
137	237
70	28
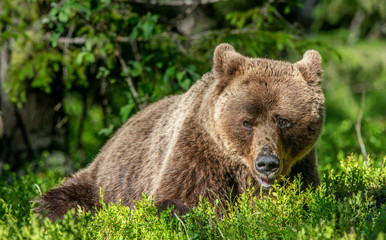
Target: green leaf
169	73
180	75
147	28
89	58
287	10
79	58
127	110
134	33
106	131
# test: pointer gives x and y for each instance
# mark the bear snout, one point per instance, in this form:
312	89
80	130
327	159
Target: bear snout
267	164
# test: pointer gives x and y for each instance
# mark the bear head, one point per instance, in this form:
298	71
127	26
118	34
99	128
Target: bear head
266	114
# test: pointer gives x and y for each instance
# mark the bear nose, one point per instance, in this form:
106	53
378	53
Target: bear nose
267	164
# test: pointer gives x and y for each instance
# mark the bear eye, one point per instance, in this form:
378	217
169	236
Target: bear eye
247	124
283	122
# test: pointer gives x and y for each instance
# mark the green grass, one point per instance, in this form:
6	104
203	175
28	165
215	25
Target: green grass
348	205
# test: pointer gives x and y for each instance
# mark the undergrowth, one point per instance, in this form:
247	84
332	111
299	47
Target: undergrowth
347	205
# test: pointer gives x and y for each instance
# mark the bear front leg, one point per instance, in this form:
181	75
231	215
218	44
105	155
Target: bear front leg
308	168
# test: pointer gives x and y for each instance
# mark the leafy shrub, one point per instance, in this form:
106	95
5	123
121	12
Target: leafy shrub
347	205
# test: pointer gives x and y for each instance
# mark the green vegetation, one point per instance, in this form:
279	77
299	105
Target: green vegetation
360	70
72	72
346	206
96	63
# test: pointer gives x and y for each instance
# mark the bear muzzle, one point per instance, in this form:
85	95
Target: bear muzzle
267	165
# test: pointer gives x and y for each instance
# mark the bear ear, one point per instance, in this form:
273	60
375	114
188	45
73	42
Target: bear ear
311	67
227	63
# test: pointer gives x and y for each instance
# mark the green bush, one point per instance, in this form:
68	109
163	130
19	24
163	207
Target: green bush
347	205
359	69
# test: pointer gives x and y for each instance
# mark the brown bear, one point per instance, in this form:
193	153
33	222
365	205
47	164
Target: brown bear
248	121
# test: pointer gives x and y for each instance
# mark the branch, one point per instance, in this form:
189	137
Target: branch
68	40
24	133
122	39
175	2
65	50
4	61
1	125
221	32
355	26
103	99
187	12
81	40
129	80
80	146
358	127
134	46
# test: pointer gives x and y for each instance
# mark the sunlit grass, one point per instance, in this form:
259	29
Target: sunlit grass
347	205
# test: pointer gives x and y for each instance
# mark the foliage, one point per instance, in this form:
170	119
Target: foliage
92	50
347	205
110	59
364	18
359	70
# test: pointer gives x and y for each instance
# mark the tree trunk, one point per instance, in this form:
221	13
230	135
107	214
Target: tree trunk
35	127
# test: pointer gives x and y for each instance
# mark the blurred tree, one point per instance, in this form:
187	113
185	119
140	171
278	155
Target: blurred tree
31	127
363	18
356	81
76	68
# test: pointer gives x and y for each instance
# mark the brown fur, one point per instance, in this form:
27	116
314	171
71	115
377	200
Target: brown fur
195	144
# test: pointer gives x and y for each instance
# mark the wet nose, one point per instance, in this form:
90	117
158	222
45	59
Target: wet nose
267	164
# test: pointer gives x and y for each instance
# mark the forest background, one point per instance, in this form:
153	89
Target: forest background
72	71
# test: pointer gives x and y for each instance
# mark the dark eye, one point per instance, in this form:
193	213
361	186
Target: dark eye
283	122
247	124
